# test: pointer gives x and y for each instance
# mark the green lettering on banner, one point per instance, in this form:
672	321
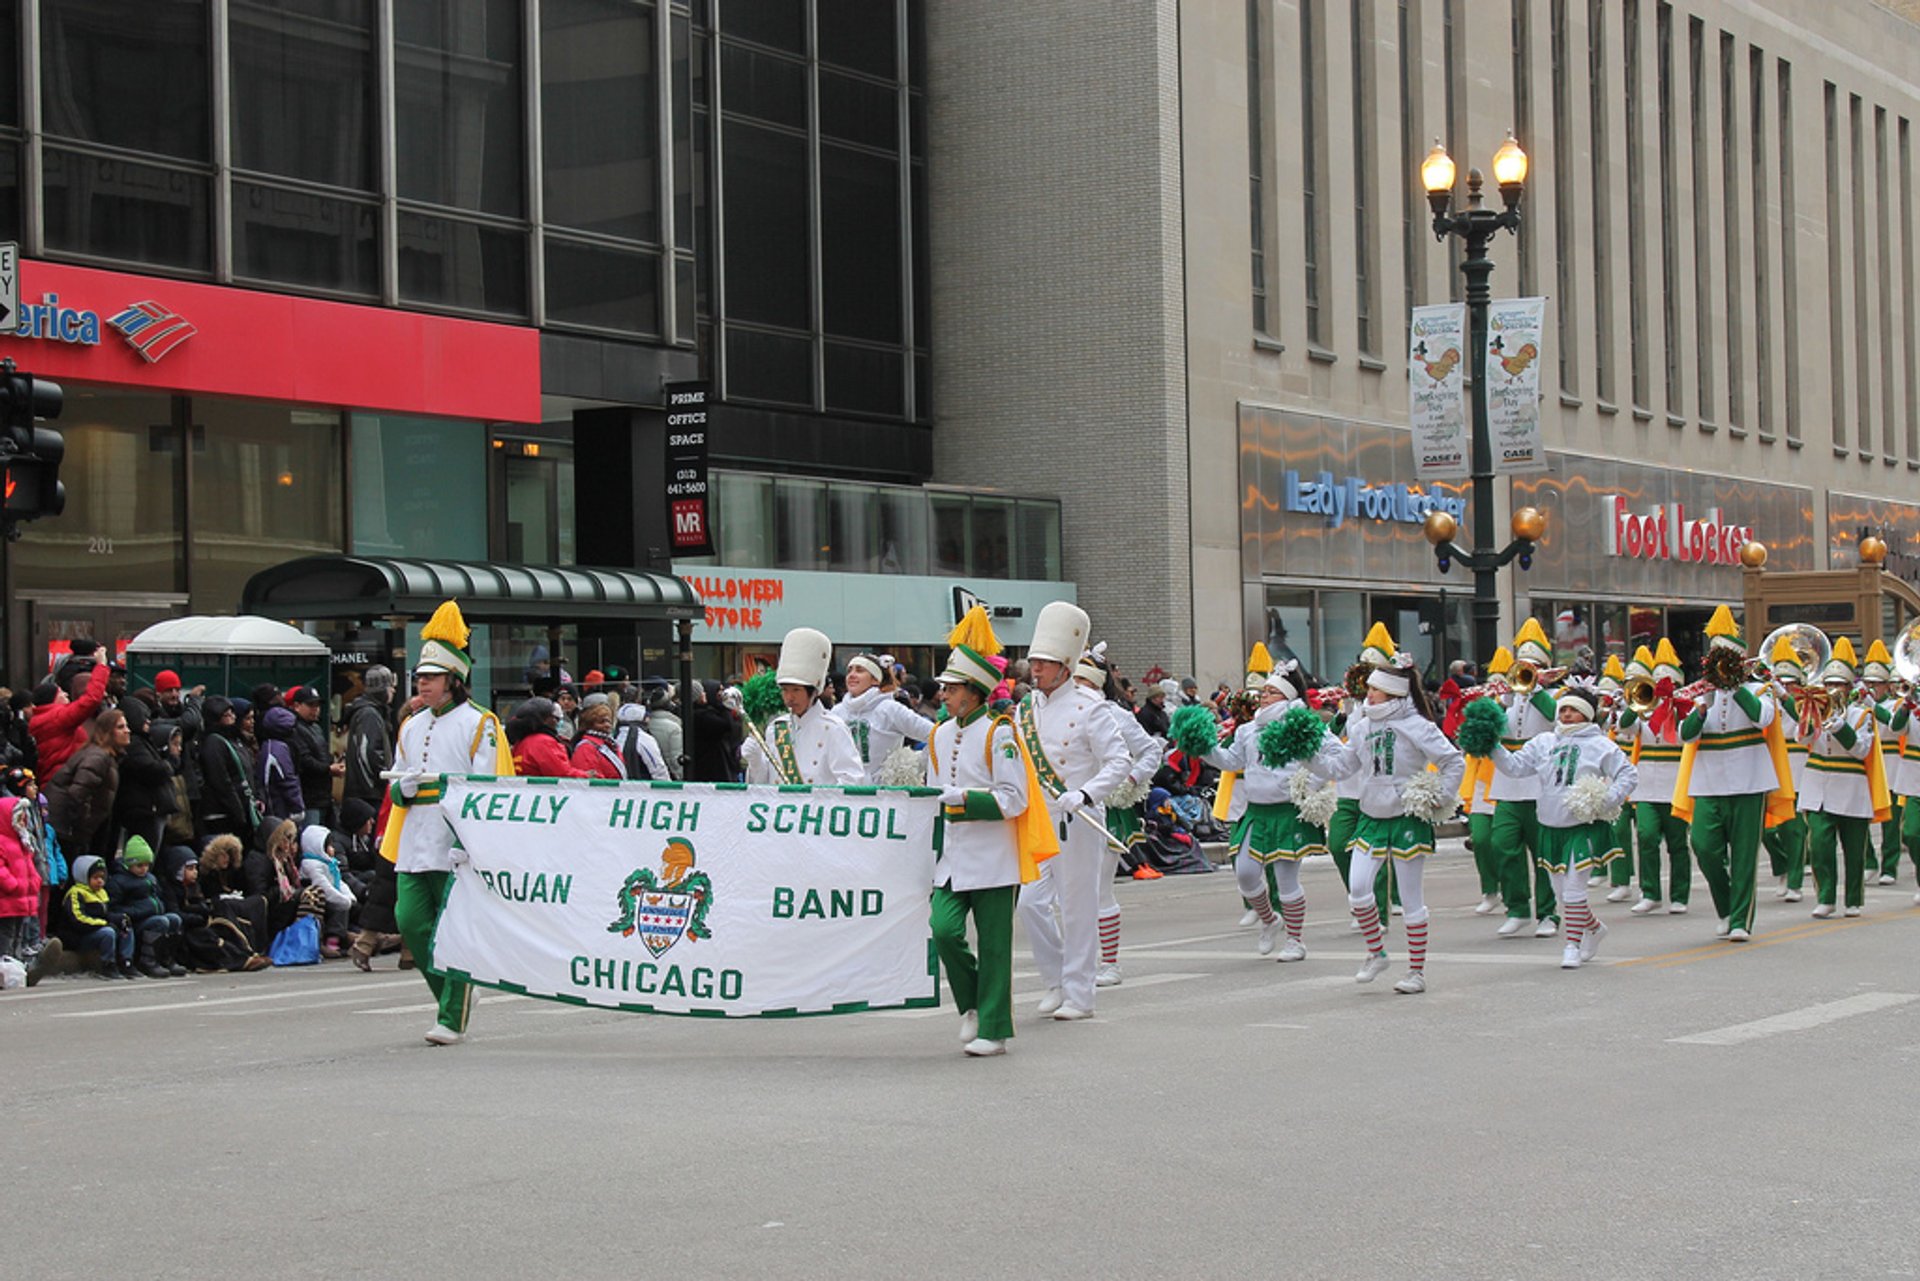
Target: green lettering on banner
893	831
702	985
689	816
555	805
539	894
810	906
757	817
513	809
643	976
675	984
871	902
782	903
869	824
494	803
839	821
840	903
811	818
561	885
577	969
470	805
603	973
621	814
783	818
739	985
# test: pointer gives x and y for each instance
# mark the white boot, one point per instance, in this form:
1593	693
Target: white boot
1546	928
1249	917
1511	926
1412	985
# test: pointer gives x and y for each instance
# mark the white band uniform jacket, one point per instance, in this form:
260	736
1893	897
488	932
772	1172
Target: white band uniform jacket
1146	750
880	723
1836	777
1387	751
452	741
1732	759
1262	783
1659	763
1797	747
821	745
1082	743
981	757
1558	760
1527	720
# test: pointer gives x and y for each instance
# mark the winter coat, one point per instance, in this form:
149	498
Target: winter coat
192	731
20	744
275	878
667	731
60	731
369	749
146	780
227	795
20	879
189	903
1153	718
716	750
541	754
311	761
276	776
137	897
80	796
595	756
220	866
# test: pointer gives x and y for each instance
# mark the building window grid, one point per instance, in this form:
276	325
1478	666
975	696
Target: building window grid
1762	283
1702	222
1601	192
1836	282
1313	170
1789	258
1257	162
1730	233
1413	197
1366	304
1862	334
1669	213
1566	305
1452	71
1910	340
1883	279
1635	212
1522	24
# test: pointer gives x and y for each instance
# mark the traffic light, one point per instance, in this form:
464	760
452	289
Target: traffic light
29	454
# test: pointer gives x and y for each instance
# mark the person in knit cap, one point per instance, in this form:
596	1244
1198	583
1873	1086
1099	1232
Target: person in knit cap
1787	842
1846	787
1080	758
1877	674
1613	676
1524	886
450	734
806	743
1655	752
1733	777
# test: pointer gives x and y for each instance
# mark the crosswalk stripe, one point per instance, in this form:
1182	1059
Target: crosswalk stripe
1800	1020
293	994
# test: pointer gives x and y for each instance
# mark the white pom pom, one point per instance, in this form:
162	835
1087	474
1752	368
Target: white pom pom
904	767
1127	795
1316	800
1424	797
1587	800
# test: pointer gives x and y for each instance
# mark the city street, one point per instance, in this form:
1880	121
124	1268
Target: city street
1678	1108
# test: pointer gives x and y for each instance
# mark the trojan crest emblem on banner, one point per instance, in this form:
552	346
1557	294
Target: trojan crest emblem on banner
665	907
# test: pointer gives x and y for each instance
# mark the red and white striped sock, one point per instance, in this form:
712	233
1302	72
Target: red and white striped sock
1578	918
1295	913
1417	947
1369	917
1110	938
1262	906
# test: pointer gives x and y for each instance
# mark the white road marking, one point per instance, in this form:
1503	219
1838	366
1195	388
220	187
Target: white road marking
1281	1027
494	999
1800	1020
283	994
1351	956
1021	997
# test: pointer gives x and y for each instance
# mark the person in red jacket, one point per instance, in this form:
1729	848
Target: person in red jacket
59	722
595	755
534	733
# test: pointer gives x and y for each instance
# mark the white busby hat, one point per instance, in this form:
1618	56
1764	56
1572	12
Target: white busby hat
1060	633
805	655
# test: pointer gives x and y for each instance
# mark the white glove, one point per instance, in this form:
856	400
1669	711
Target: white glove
1071	801
410	784
954	797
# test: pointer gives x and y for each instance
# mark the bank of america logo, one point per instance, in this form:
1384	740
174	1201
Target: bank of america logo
152	330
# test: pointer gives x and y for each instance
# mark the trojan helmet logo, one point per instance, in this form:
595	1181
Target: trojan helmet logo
664	908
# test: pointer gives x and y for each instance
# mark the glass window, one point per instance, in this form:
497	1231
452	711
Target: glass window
597	66
536	486
125	209
125	483
772	367
859	34
763	86
1610	636
743	519
859	245
992	541
767	230
127	75
1645	626
462	264
855	110
10	57
1039	542
686	289
403	469
458	103
866	380
684	70
799	524
1289	630
781	24
303	89
950	537
10	222
1343	625
266	489
602	287
903	531
303	238
852	522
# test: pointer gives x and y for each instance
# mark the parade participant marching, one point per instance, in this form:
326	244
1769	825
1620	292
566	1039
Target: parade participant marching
1877	672
880	723
1733	777
1080	758
1479	807
1376	652
985	784
1516	822
1229	802
1123	815
1905	780
1846	785
1656	755
1585	780
1787	842
1273	835
451	734
1393	740
805	743
1620	870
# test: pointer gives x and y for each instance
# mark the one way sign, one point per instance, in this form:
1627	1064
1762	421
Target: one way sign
9	286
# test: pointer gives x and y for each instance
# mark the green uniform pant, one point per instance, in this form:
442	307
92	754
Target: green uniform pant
985	984
1787	850
1485	861
1890	841
1516	837
1725	834
421	898
1910	831
1340	828
1852	835
1657	824
1620	871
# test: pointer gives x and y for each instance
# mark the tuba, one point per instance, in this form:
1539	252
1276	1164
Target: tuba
1906	659
1811	648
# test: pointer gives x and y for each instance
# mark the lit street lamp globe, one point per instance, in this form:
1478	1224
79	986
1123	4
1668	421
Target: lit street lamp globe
1753	554
1529	523
1872	550
1440	527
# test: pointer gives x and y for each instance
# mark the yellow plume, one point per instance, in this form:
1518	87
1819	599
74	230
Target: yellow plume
1877	653
1783	652
975	631
1665	656
1530	631
1843	652
1501	663
447	626
1379	638
1259	660
1722	624
1614	668
1644	657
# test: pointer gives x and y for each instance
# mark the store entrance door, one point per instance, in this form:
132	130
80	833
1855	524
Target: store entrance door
111	618
1431	628
1687	629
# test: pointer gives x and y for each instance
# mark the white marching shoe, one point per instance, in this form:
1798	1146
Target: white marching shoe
1619	893
1412	985
981	1048
969	1026
1570	957
1050	1000
1268	933
1738	935
1071	1014
1489	904
1792	896
1725	927
1398	910
1888	879
1372	968
1853	911
1249	917
1511	926
1646	905
1823	911
1676	909
1108	975
1590	941
1779	887
1292	950
1546	928
439	1035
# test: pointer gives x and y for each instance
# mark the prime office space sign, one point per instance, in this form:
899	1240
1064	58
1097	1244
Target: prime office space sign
1664	531
1335	499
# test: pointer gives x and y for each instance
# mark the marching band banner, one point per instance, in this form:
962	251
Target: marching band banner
1436	380
696	898
1515	330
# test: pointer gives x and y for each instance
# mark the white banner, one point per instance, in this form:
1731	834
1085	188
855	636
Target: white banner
1515	335
1436	381
694	898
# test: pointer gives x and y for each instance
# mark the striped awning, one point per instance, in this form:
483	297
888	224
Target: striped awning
375	587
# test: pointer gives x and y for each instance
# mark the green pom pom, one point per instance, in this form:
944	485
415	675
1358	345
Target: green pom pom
760	698
1481	730
1193	730
1294	737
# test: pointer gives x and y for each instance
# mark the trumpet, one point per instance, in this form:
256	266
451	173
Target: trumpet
1641	695
1524	678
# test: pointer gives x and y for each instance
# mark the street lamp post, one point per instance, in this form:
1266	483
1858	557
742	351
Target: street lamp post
1478	225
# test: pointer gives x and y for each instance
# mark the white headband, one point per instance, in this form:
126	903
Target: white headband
867	665
1385	679
1570	699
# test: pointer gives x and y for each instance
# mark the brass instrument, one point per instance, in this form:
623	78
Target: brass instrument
1522	678
1811	648
1906	660
1641	695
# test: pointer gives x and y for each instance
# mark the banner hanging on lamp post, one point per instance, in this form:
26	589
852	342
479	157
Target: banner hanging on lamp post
1515	334
1436	378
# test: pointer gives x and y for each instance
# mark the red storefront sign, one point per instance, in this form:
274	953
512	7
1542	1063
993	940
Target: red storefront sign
84	325
1666	532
